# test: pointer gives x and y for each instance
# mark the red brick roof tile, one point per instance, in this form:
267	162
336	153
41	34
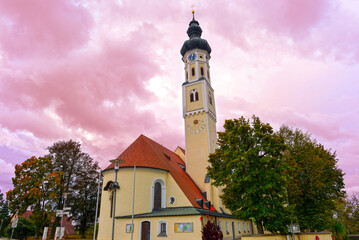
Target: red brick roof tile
144	152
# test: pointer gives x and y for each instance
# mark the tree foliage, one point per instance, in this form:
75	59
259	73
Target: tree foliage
79	181
248	164
35	186
347	212
316	182
25	228
4	213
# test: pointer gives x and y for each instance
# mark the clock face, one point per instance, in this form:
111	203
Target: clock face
192	57
196	126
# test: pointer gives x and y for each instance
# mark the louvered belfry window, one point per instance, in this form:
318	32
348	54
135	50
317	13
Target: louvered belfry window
157	197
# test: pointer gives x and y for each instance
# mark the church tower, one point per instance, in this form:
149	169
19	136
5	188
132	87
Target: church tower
199	109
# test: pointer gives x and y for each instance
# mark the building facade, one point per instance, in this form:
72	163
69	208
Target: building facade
170	191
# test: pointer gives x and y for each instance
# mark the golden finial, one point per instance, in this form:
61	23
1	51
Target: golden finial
192	6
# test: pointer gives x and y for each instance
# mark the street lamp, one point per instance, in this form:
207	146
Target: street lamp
117	167
62	216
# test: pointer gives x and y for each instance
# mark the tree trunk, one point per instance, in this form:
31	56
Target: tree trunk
260	228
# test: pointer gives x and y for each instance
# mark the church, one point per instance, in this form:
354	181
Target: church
150	192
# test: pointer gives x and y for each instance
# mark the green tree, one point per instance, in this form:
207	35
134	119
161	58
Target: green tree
4	213
25	228
35	186
79	181
248	165
316	183
348	212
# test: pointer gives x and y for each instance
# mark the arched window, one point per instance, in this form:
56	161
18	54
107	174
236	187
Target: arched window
157	197
193	72
186	75
193	95
202	71
158	194
210	97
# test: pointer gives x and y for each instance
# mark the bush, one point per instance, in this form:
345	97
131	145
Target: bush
339	230
25	228
211	231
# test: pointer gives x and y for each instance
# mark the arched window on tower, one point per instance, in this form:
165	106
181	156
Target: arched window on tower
193	95
193	72
210	97
202	72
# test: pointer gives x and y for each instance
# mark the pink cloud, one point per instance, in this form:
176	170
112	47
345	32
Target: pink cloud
296	17
38	28
103	72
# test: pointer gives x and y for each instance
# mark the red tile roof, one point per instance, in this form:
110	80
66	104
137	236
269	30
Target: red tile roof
144	152
69	228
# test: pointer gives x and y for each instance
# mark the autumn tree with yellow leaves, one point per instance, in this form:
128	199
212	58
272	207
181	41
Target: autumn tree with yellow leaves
35	187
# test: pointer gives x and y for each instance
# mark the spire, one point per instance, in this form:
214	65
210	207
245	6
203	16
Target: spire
194	30
194	33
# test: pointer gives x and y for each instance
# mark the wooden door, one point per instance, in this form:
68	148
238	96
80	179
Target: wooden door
146	230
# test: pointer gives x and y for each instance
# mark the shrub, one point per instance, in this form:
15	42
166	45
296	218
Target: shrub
211	231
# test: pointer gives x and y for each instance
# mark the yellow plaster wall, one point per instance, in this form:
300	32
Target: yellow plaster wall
191	106
191	77
201	64
302	236
212	106
197	151
179	152
120	227
229	235
144	180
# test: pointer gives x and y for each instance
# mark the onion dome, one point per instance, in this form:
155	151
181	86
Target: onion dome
194	33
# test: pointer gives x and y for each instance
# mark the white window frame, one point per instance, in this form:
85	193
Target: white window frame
239	227
159	228
220	224
194	91
163	193
244	227
227	227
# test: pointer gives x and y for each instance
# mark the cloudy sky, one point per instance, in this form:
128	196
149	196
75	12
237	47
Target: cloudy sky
103	72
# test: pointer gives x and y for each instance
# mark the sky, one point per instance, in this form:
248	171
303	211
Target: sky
104	72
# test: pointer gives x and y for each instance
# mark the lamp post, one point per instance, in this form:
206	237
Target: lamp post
62	216
117	168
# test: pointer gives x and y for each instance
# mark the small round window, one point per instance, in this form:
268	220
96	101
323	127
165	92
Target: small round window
172	200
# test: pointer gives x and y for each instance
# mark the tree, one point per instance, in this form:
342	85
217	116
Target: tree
348	212
79	181
315	184
4	213
84	196
35	186
248	165
352	213
25	228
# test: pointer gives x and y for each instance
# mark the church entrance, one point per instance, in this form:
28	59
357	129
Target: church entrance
146	230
